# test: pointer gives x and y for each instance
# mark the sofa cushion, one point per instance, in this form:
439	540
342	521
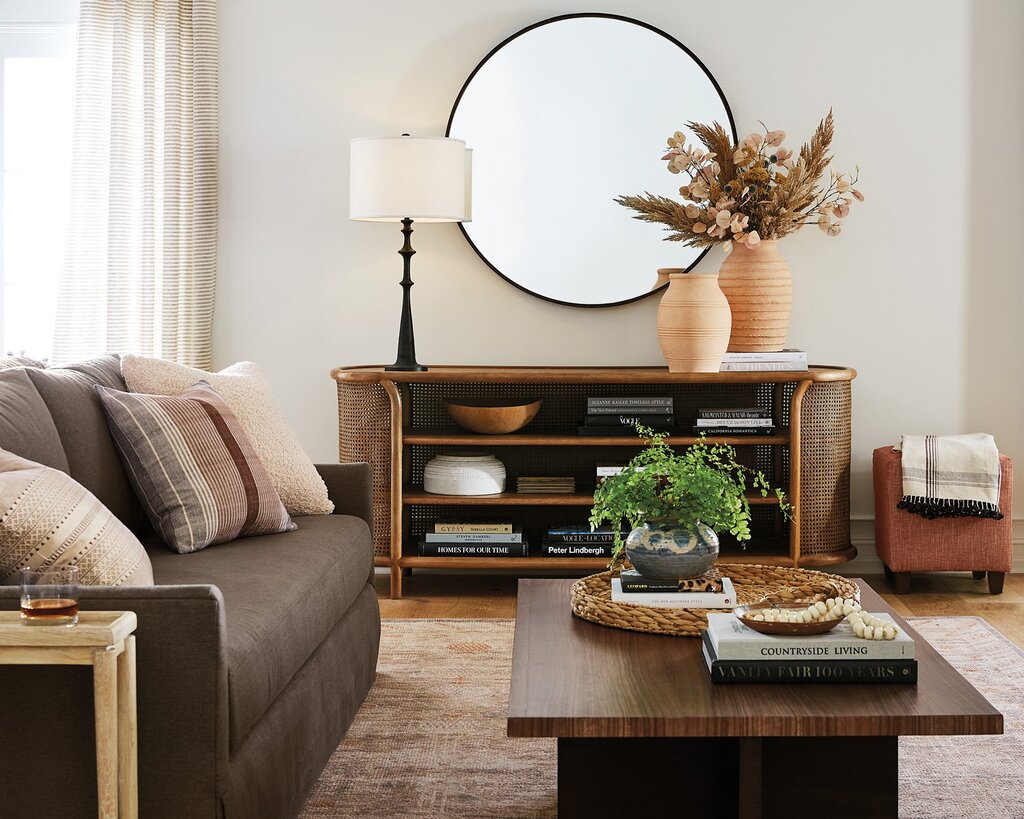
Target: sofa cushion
282	596
195	471
244	389
8	362
26	426
48	519
91	457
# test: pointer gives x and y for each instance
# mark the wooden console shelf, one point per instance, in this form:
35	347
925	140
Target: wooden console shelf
396	422
414	496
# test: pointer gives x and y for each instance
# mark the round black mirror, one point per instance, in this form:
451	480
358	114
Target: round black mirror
563	117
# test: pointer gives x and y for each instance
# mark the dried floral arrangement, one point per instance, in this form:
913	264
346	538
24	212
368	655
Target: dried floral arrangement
748	192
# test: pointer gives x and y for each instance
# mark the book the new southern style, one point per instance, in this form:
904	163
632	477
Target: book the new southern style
679	600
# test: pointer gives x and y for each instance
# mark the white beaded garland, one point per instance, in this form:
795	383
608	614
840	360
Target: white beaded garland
870	627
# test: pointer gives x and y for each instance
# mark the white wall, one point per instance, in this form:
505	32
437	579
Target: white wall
922	293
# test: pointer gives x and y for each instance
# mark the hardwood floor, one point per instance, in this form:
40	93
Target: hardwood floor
494	596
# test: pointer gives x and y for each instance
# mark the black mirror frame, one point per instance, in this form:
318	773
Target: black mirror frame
559	18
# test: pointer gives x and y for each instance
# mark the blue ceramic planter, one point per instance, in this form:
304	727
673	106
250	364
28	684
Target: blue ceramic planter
663	551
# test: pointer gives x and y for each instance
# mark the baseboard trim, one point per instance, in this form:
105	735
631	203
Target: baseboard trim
862	534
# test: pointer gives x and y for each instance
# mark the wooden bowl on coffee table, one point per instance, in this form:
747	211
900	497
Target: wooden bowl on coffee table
819	626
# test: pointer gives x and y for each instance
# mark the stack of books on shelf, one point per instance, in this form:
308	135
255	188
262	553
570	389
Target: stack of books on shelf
546	486
781	361
480	539
578	541
712	591
734	421
619	415
735	653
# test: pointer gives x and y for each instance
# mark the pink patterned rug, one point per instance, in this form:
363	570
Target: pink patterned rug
430	739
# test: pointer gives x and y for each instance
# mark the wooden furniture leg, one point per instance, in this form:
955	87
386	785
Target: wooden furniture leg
902	582
995	582
104	677
978	575
127	733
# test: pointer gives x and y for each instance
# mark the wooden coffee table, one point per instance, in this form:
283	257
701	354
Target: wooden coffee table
641	728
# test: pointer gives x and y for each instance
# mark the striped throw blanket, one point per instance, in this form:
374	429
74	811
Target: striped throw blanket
950	476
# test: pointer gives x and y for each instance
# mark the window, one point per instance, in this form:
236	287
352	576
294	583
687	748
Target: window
36	85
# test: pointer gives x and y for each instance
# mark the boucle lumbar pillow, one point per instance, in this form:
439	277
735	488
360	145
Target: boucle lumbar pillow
194	469
247	392
49	519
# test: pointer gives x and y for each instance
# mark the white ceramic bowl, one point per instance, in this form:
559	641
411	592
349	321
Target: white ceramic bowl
464	473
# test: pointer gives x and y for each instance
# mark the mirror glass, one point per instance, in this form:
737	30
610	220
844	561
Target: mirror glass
563	117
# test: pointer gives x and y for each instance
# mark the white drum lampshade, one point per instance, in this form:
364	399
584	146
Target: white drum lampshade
427	179
406	179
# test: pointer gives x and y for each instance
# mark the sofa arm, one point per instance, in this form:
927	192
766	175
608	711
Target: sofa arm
182	705
348	485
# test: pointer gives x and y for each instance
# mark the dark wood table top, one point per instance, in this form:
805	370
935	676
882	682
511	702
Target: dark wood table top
573	678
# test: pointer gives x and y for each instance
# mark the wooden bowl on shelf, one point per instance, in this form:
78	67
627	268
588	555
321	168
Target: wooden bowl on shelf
493	416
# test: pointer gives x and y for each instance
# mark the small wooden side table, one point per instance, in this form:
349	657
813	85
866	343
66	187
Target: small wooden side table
104	640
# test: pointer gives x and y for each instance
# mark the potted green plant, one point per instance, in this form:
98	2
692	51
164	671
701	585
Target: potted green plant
676	502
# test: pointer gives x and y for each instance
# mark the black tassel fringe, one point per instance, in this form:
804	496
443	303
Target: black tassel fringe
932	508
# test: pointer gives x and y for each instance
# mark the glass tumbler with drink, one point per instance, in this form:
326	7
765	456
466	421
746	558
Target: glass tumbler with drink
49	597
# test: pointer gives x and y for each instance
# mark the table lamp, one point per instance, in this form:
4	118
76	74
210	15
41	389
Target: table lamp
402	179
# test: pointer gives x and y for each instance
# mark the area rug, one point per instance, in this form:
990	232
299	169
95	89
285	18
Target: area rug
430	739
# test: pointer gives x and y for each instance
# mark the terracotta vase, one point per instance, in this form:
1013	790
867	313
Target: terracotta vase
760	293
693	322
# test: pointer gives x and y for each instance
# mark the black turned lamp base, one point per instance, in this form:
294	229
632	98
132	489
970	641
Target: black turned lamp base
405	361
405	368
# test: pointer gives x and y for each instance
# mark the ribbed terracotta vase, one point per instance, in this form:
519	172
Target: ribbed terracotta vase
693	322
760	292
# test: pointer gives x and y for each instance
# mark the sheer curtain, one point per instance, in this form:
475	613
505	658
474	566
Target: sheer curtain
140	259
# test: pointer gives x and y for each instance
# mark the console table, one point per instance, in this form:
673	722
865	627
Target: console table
397	421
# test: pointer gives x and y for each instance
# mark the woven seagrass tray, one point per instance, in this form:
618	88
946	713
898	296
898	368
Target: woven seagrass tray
592	597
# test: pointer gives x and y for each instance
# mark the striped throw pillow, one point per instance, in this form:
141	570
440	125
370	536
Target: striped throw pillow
48	519
194	469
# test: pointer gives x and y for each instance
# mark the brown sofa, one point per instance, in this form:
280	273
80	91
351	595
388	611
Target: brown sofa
253	656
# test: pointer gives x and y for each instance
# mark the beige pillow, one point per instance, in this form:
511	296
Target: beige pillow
247	394
49	519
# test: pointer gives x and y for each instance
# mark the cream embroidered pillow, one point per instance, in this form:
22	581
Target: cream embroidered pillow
246	392
47	519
